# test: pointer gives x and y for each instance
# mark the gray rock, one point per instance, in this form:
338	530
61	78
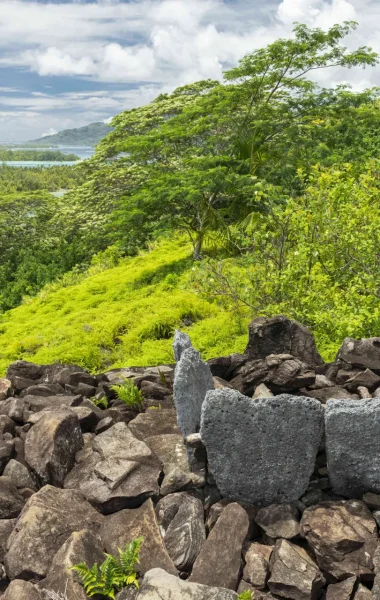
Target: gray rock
49	517
352	456
6	425
363	593
262	391
80	547
361	353
293	573
181	521
192	380
181	342
6	528
154	422
21	590
19	474
122	527
366	378
336	392
51	444
342	590
376	583
11	501
119	472
5	388
279	521
256	570
273	456
280	335
159	585
218	563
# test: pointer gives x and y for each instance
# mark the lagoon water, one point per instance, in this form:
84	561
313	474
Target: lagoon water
82	151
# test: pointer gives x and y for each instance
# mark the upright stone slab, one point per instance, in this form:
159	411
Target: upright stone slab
181	342
353	446
192	380
262	451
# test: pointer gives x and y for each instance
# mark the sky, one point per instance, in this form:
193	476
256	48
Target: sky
67	63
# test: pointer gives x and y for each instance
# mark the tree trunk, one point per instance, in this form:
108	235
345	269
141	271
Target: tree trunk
198	247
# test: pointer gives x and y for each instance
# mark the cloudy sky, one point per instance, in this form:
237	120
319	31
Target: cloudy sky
67	63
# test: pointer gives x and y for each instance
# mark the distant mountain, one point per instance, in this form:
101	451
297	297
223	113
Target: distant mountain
89	135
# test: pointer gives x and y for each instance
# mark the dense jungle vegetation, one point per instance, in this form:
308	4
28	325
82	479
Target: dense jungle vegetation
7	155
258	195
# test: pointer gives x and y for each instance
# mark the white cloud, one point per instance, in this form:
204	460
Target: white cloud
50	131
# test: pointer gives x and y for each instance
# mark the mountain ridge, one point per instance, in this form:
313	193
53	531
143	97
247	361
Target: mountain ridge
89	135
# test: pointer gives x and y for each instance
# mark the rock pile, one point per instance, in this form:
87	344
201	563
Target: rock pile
235	474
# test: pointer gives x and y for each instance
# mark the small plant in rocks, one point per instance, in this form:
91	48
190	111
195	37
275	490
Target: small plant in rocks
101	402
130	394
246	595
114	573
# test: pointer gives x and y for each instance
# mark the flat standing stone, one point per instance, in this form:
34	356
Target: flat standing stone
180	343
262	451
192	380
353	446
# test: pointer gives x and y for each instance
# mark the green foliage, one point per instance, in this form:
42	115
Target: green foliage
246	595
130	394
102	402
37	155
113	574
31	179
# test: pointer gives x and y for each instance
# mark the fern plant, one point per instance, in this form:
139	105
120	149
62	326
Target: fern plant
113	574
128	393
102	402
246	595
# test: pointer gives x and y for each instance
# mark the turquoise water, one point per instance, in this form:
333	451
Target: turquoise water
82	151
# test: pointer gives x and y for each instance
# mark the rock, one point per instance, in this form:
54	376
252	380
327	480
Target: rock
220	383
218	563
5	388
366	378
372	501
120	472
273	457
85	390
280	373
49	517
362	593
262	391
104	424
157	391
280	335
21	590
181	342
19	474
6	528
37	403
51	444
13	408
11	501
159	585
279	521
363	392
86	416
336	392
24	369
225	366
80	547
154	422
256	570
376	584
129	593
293	573
342	590
361	353
6	425
6	452
353	467
343	536
42	389
192	381
321	382
181	521
171	451
126	525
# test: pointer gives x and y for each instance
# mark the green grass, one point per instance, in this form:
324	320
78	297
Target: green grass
121	316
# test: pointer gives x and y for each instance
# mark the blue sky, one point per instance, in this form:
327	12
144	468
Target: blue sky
66	63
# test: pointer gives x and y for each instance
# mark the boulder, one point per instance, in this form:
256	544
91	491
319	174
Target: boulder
5	388
362	593
361	353
42	389
279	521
159	585
51	444
293	573
21	590
372	501
280	335
14	408
6	452
192	380
225	366
11	501
342	590
273	457
6	425
24	369
124	526
352	458
336	392
19	474
154	422
366	378
181	521
36	403
343	537
180	343
49	517
6	528
218	563
80	547
376	584
119	472
256	570
262	391
279	372
157	391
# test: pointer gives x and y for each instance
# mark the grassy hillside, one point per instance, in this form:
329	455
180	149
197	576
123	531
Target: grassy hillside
89	135
124	315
